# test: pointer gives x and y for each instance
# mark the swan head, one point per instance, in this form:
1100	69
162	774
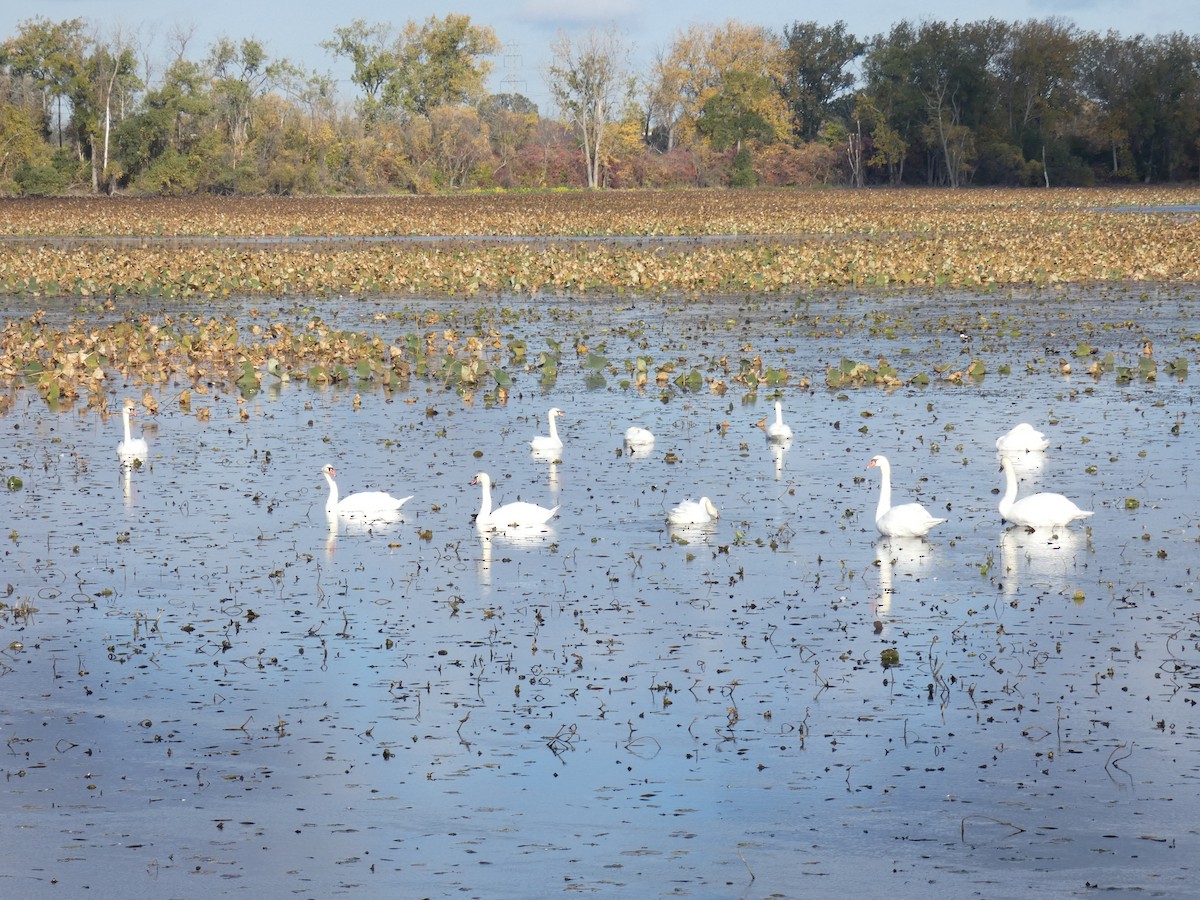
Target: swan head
482	478
328	472
709	508
879	461
555	413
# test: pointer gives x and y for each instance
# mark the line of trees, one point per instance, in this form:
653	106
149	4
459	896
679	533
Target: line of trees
987	102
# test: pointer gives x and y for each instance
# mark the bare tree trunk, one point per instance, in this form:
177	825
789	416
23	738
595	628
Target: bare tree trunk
107	125
854	153
95	168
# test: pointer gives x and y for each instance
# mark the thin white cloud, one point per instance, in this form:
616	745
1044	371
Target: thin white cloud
568	15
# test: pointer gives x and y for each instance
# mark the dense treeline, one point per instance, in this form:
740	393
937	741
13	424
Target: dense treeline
932	103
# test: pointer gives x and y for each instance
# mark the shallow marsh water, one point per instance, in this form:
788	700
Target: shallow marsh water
218	693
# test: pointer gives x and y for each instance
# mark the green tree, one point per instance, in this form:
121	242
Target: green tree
1036	75
892	96
52	55
240	74
22	145
401	75
101	97
442	64
164	133
933	86
734	115
951	70
816	73
694	68
371	48
1164	106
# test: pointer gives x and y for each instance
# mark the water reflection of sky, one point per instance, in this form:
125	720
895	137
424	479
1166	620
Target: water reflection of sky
614	704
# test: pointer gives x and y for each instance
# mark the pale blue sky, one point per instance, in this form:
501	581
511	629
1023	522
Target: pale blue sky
294	30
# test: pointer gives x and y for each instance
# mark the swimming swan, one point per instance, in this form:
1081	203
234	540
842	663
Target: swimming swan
1043	510
905	520
361	505
519	514
541	442
131	450
777	430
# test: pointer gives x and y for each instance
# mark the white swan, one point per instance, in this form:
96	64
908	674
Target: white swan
637	438
905	520
518	514
1022	438
131	450
693	512
541	442
365	504
777	430
1043	510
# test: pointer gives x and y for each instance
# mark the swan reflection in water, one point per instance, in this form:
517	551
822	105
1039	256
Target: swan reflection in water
513	538
638	442
778	448
905	558
127	489
643	452
358	527
700	532
1040	557
553	458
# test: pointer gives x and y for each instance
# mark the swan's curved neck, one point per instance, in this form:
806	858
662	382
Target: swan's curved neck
332	502
485	505
778	413
1010	490
885	490
553	427
125	419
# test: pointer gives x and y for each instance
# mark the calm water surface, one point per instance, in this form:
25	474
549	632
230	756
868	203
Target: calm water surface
209	690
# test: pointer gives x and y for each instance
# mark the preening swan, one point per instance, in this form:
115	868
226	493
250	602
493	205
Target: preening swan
905	520
131	450
693	512
1022	438
638	437
511	515
361	505
1043	510
541	442
777	430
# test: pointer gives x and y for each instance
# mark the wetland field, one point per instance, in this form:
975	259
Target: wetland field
213	688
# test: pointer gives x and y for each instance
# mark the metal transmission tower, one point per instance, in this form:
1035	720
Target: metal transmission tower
513	82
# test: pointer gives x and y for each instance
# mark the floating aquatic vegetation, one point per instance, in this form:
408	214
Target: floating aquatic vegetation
852	373
330	247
